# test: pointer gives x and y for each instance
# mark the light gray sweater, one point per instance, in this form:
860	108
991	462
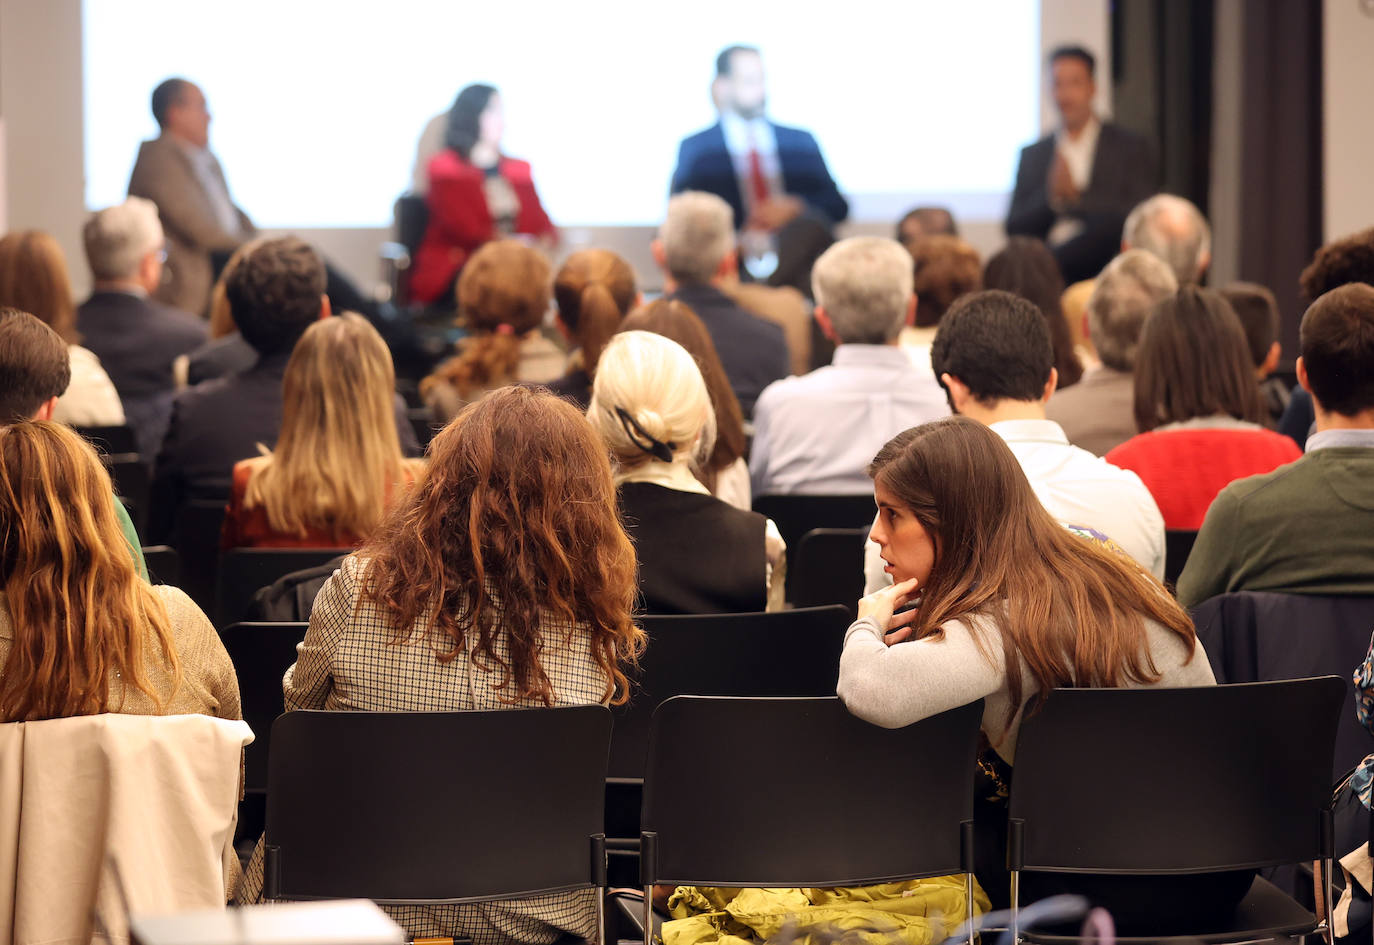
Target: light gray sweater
893	686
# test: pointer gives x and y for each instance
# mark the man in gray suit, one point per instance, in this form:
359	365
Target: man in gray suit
178	172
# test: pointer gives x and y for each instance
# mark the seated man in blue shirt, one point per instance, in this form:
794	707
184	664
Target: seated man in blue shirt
816	434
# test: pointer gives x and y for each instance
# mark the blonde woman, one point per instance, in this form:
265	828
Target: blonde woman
697	554
337	465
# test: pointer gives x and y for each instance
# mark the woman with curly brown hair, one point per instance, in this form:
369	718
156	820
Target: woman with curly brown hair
503	581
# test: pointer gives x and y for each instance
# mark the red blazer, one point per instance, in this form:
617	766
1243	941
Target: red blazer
1185	469
459	220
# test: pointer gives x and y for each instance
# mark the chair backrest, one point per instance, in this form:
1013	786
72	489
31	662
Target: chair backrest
411	217
1142	781
111	440
789	653
782	792
133	483
196	528
829	568
261	653
795	515
436	806
1178	545
243	571
164	564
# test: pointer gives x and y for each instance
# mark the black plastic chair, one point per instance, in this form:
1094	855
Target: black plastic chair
243	571
362	805
112	440
164	564
1178	545
829	568
1142	782
790	819
129	471
795	515
195	535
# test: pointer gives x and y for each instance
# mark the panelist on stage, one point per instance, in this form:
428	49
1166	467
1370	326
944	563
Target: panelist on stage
1075	186
769	174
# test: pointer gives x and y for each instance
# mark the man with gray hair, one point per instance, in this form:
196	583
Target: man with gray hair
817	433
1098	413
1175	230
135	337
696	251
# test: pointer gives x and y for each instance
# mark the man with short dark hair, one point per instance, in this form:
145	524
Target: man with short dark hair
1075	186
919	222
1307	527
1258	311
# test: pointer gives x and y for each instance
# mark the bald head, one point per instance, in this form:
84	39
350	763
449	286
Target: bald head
1173	229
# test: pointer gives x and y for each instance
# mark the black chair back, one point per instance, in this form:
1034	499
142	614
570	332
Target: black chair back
409	807
196	528
164	564
261	653
1148	781
411	214
789	653
243	571
111	440
771	797
1178	544
829	568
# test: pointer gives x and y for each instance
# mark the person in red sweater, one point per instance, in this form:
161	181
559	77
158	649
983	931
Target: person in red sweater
476	194
1197	407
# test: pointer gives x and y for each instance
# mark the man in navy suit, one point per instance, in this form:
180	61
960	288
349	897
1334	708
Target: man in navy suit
768	174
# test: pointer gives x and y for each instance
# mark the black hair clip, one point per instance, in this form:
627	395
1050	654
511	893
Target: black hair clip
655	448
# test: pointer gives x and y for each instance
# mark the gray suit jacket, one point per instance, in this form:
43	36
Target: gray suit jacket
164	175
1097	413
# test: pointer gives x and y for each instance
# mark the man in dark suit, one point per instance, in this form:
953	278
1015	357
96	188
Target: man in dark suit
135	337
1075	186
696	251
769	174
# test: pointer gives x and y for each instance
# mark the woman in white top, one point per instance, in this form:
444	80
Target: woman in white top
33	279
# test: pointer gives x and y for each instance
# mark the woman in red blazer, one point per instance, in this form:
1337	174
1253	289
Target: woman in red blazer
476	194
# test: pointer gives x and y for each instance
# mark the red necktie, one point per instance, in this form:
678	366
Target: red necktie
757	182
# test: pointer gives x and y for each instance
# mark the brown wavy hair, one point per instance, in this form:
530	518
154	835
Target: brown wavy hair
1073	611
503	294
946	268
676	321
594	289
84	622
33	279
513	524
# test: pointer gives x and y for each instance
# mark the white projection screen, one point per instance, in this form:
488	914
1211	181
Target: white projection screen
318	105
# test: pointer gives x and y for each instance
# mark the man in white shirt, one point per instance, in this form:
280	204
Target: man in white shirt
993	356
816	434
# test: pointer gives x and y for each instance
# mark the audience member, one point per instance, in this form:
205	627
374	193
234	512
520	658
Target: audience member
697	554
1098	413
135	337
226	352
33	279
815	434
526	606
919	222
1175	230
785	298
1074	302
1010	606
35	369
503	296
594	290
80	632
1307	527
476	194
178	172
337	464
1258	312
1197	407
946	268
696	251
724	472
1026	267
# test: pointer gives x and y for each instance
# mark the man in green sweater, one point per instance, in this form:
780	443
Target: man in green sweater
1307	527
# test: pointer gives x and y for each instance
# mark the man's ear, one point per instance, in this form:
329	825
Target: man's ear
1271	361
1051	386
1301	369
46	409
959	394
325	310
660	254
827	326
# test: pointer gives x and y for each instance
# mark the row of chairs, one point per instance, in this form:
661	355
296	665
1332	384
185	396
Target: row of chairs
795	792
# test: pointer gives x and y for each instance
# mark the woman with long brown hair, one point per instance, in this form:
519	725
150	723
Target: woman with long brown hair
1009	604
504	580
503	296
337	463
80	632
593	291
1026	267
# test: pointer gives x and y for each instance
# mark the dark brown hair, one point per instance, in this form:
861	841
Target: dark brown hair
676	321
514	523
1193	362
1337	341
503	294
1073	611
946	268
1258	312
275	293
1347	260
33	279
34	364
594	290
1027	268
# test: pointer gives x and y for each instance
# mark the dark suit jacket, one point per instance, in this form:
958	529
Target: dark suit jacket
703	163
1123	175
136	340
219	357
752	350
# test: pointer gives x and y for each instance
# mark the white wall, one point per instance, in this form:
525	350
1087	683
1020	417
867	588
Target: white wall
1348	132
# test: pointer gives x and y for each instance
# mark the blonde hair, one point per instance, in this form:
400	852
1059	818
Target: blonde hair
221	315
594	290
338	455
659	386
33	279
